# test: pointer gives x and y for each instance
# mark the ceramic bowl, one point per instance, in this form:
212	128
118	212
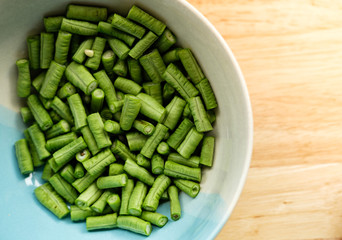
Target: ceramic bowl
22	217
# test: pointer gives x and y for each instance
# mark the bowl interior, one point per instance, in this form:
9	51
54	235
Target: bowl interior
202	217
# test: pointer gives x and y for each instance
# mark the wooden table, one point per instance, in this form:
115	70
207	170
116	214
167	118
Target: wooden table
290	52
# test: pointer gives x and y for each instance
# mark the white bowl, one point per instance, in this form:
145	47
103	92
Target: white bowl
22	217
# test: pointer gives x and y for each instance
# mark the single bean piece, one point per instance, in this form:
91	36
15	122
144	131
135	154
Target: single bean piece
180	133
165	41
78	214
130	111
79	56
66	91
211	116
90	140
68	173
62	109
108	221
74	44
97	98
176	170
107	86
23	156
174	112
157	164
137	198
151	201
88	197
193	161
178	81
86	13
153	65
171	56
97	128
79	170
126	192
127	86
114	202
62	47
63	188
50	199
155	218
207	93
151	108
189	187
115	169
98	47
143	161
191	66
52	79
54	165
83	183
53	24
83	155
144	127
26	114
154	140
108	60
38	81
135	140
99	162
119	48
33	48
69	151
54	117
53	144
134	70
112	181
133	169
142	45
154	90
34	154
46	102
199	114
101	203
207	151
127	26
120	68
122	150
112	127
175	207
106	28
163	148
79	27
59	128
38	140
47	49
134	224
140	16
24	78
47	172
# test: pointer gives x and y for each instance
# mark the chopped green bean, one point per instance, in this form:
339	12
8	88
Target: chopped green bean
157	164
99	162
86	13
52	24
151	108
130	111
79	27
154	90
136	140
199	114
174	112
108	221
26	114
47	172
134	224
165	41
63	188
112	127
190	143
33	47
125	196
189	187
54	117
79	170
83	183
133	169
97	98
114	181
155	218
90	140
137	197
175	170
190	64
52	79
207	94
106	28
98	47
142	45
96	126
180	133
153	65
120	68
38	139
101	203
66	91
171	56
23	156
107	86
62	109
38	81
83	155
68	173
88	197
143	161
69	151
127	26
175	207
53	144
187	111
62	47
34	154
151	201
154	140
79	56
122	150
24	78
127	86
163	148
47	49
134	70
119	48
144	127
207	151
193	161
78	214
108	60
59	128
114	202
115	169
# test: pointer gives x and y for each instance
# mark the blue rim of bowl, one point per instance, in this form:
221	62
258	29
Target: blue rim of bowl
248	108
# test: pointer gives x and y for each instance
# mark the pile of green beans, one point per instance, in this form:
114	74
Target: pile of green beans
117	117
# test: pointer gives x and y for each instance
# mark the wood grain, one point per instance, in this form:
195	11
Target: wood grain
290	52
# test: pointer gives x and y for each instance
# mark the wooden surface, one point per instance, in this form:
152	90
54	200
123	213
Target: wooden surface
290	52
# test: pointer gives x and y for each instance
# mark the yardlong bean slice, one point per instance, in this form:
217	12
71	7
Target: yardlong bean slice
207	94
58	142
79	27
114	202
178	81
106	28
62	109
171	56
165	41
79	170
176	170
151	201
127	86
180	133
33	48
144	127
107	86
207	151
47	49
157	164
62	47
142	45
52	79
97	128
90	140
151	108
88	197
133	169
79	55
125	196
122	150
135	140
63	188
199	114
115	169
101	203
120	68
23	156
34	154
154	90
119	48
26	114
108	60
114	181
24	78
134	224
143	161
97	98
83	183
193	161
53	24
174	112
189	187
66	91
127	26
138	15
153	141
50	199
59	128
97	163
112	127
137	198
47	172
98	47
130	111
175	207
68	173
155	218
190	143
38	81
38	139
69	151
163	148
134	70
190	64
78	214
86	13
108	221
